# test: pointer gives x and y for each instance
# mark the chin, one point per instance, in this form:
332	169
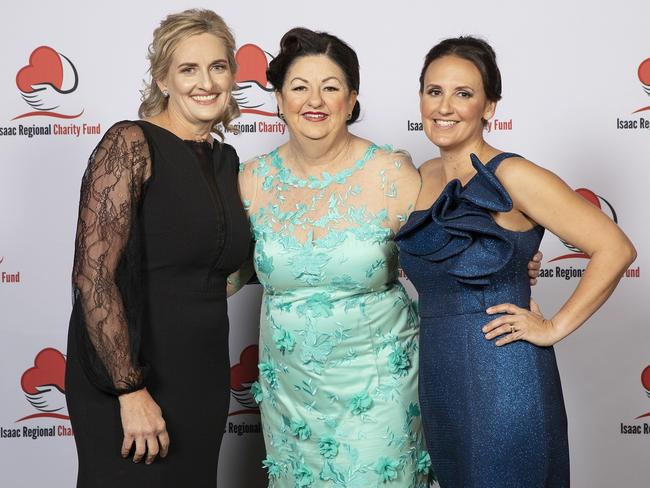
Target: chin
437	139
208	118
315	134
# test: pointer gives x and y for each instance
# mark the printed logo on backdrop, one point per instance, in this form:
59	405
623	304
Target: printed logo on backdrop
642	427
572	265
43	386
242	377
8	276
48	84
492	125
255	95
642	122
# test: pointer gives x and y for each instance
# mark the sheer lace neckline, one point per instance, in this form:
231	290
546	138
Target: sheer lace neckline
286	175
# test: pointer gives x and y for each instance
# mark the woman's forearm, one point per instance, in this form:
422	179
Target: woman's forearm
604	271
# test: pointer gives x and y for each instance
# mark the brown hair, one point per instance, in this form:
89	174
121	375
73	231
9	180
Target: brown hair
476	51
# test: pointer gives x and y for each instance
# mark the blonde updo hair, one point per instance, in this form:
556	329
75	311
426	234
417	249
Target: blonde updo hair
174	29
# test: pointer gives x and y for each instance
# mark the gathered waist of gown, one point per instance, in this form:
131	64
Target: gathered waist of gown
468	300
334	293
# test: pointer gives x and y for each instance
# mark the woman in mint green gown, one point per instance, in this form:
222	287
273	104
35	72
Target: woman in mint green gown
338	333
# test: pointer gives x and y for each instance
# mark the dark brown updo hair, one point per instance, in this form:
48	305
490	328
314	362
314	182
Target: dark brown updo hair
299	42
476	51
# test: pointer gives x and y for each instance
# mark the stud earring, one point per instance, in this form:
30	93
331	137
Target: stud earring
165	93
349	117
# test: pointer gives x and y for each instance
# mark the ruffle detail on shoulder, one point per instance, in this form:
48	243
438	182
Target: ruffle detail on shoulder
459	228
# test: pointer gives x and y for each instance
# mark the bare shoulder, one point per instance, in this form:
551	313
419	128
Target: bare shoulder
517	170
430	167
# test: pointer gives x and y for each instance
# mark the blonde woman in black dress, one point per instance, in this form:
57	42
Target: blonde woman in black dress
161	226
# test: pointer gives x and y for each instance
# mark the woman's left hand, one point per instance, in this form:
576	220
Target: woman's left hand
520	324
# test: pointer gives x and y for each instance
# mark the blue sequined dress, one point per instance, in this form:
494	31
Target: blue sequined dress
493	416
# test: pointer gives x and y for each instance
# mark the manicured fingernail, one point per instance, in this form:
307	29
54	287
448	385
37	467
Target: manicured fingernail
484	329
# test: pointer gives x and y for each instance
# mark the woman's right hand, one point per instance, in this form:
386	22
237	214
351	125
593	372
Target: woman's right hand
143	424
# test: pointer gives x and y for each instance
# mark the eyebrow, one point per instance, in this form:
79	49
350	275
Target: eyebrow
462	87
194	65
298	78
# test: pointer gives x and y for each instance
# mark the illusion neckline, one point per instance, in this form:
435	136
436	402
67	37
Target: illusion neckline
325	177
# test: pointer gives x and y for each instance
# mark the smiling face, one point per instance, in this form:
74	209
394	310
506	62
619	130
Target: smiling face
199	80
315	98
453	103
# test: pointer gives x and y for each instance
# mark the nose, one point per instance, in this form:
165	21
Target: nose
315	99
445	107
205	80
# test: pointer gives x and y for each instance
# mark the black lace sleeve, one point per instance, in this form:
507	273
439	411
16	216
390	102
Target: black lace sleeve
107	295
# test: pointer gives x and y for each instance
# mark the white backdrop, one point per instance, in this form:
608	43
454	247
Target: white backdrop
573	78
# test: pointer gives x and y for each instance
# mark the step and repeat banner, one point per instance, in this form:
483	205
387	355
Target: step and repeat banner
576	101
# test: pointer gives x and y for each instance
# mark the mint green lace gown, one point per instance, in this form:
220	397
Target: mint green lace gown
338	334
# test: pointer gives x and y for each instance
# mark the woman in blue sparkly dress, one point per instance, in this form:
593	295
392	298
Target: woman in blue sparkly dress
490	392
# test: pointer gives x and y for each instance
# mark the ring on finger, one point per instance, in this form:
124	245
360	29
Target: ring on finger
512	329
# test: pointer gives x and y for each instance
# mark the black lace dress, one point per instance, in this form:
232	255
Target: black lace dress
161	226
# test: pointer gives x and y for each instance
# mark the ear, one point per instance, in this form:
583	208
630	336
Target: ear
352	100
279	101
490	109
162	86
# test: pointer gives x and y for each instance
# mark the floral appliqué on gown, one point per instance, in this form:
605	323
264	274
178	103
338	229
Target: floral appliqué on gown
338	334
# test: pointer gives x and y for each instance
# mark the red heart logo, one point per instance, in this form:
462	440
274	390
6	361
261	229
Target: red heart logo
246	371
644	72
49	369
251	64
589	195
44	67
645	378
